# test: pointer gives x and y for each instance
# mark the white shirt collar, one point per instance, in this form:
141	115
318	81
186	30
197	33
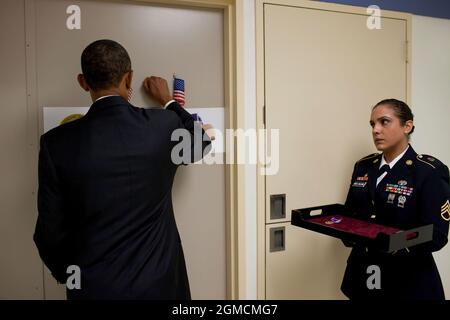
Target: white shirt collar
111	95
393	162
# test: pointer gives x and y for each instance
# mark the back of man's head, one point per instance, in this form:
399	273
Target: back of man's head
103	63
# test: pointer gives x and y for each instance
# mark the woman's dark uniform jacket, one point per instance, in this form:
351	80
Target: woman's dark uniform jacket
105	202
406	274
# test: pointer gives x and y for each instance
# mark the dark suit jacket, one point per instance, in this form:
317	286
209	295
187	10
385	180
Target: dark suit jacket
407	274
105	202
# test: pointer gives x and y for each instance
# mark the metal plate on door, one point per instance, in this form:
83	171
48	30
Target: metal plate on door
277	239
278	206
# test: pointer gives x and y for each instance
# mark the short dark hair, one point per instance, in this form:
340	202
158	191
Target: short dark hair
401	110
103	63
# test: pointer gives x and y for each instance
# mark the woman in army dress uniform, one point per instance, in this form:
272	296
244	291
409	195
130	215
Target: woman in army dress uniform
404	190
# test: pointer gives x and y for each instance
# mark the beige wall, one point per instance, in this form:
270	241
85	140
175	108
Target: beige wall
431	102
20	266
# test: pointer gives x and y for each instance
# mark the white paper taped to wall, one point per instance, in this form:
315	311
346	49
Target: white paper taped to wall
54	116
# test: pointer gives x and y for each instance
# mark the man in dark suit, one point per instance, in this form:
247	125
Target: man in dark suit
105	184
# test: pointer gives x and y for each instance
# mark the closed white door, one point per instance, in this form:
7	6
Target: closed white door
323	72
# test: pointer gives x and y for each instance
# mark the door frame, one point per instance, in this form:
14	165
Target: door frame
234	118
260	104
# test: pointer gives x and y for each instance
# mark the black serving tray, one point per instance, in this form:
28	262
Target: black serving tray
358	231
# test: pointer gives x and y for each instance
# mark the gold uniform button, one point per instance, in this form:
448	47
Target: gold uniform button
373	216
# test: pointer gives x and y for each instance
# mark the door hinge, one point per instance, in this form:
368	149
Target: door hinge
406	52
264	115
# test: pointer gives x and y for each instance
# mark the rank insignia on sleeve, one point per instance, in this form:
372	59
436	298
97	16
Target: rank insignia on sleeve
445	211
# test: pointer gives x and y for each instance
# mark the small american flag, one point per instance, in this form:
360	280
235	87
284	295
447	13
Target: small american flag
178	91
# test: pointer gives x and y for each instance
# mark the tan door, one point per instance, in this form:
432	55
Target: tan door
323	72
155	37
